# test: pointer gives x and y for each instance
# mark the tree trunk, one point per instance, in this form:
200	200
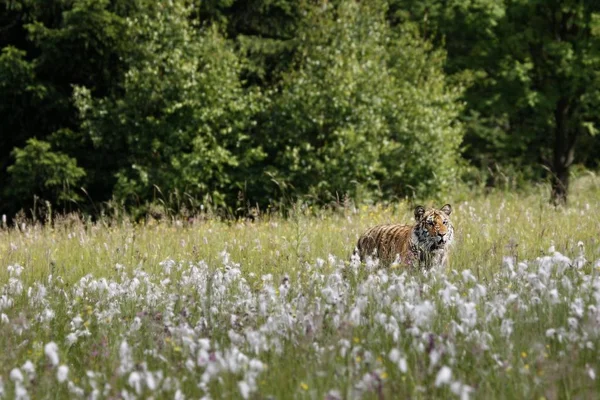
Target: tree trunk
560	186
564	151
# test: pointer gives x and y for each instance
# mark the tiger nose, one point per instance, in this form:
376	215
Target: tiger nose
442	236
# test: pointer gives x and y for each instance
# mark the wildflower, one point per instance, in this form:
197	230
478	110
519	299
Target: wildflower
394	355
76	322
506	328
304	386
402	365
76	391
62	373
21	392
29	369
150	381
573	324
461	390
244	389
333	395
125	358
46	315
71	338
51	351
591	372
135	381
468	314
16	375
443	377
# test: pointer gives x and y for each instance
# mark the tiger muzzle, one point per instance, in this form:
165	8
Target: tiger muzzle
441	239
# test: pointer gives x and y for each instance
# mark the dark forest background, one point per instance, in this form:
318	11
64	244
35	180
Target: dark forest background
138	104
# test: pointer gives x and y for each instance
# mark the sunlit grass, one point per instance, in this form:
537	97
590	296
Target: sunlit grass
322	350
487	229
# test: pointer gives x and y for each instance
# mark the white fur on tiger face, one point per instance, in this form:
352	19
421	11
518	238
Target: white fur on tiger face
424	243
433	234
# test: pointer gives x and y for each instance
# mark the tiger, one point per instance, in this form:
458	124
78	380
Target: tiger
424	244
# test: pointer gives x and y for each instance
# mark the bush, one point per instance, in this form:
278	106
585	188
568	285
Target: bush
180	123
40	171
365	110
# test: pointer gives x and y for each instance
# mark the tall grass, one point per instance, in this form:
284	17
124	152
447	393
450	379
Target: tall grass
278	309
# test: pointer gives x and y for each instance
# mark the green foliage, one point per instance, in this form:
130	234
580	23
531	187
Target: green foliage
245	102
22	97
59	44
40	171
264	31
532	66
364	106
180	121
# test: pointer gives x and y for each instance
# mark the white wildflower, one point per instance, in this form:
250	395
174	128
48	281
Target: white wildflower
136	324
468	276
76	322
402	365
29	369
334	395
577	307
395	355
15	270
591	373
62	373
125	358
444	376
135	381
461	390
467	312
506	328
75	390
16	375
573	324
51	351
244	389
21	392
71	338
46	315
151	381
434	358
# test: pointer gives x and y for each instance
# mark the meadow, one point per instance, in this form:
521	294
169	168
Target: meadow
278	309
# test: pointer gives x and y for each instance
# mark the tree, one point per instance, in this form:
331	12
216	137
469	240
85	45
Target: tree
180	122
40	171
532	67
552	52
49	46
363	110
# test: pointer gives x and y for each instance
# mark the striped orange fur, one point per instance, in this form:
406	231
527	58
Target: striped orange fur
423	244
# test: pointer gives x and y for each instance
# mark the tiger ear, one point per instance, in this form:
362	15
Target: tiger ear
419	211
447	209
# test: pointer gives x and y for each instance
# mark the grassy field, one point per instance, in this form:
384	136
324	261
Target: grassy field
276	309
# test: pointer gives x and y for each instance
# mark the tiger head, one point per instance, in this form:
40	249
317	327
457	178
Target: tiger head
433	230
